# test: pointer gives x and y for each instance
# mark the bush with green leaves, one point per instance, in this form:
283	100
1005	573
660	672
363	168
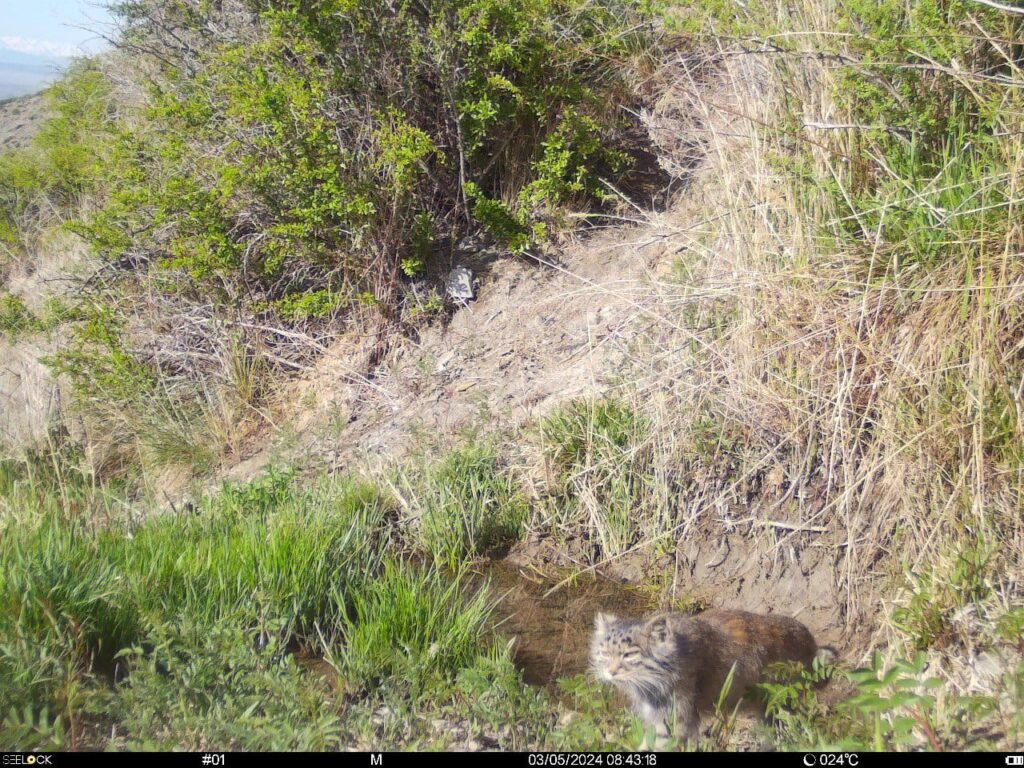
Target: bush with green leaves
284	164
314	147
892	707
65	159
15	317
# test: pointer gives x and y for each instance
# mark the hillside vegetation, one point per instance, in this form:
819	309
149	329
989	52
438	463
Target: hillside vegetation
815	405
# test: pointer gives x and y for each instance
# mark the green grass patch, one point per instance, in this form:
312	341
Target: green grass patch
410	627
468	505
269	557
599	460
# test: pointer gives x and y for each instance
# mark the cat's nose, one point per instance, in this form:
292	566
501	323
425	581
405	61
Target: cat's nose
614	669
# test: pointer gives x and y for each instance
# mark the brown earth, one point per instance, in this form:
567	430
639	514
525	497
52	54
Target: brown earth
20	119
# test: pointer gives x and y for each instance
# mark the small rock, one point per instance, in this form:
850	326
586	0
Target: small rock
459	283
988	668
442	362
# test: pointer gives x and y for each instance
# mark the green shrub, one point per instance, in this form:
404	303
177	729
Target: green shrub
100	365
73	141
891	708
22	183
322	151
65	159
203	686
293	163
15	317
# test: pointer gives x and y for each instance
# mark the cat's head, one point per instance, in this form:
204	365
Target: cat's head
632	654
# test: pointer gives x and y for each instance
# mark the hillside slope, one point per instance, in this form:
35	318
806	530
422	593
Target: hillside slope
792	384
598	318
19	120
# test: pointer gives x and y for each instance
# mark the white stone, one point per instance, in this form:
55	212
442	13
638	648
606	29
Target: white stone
459	283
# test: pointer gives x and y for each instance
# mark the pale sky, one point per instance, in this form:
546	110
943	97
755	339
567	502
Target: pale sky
52	27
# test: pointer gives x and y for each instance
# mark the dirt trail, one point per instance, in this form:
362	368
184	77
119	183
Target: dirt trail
536	335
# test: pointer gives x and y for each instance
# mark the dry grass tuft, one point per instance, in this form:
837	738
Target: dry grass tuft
821	375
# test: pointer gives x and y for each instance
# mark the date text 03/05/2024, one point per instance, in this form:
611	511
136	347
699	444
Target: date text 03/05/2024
585	759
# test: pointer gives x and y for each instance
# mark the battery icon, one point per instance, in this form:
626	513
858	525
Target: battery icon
1015	759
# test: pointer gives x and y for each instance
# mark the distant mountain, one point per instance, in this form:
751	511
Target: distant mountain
25	73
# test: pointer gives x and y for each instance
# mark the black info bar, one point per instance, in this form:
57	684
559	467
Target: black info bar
510	759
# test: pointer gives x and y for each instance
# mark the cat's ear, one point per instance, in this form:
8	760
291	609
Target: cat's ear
602	621
658	630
